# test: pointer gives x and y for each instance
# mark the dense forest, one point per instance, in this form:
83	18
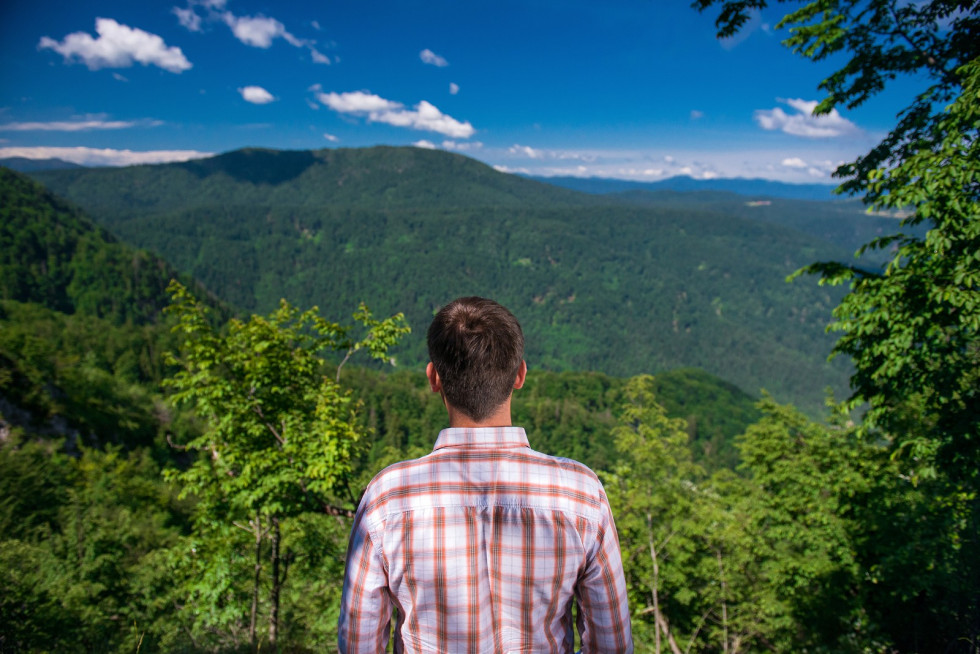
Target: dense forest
180	459
591	277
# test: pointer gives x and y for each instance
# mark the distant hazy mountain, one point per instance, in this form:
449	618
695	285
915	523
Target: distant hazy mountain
600	282
25	165
750	187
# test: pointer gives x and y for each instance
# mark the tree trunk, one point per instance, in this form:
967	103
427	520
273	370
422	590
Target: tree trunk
659	619
724	602
252	627
276	586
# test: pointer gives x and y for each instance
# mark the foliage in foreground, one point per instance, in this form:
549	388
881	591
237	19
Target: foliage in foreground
821	544
278	446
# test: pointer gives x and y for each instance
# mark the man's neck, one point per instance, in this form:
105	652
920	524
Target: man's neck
499	418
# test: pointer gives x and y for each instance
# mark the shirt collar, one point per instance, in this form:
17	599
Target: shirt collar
483	437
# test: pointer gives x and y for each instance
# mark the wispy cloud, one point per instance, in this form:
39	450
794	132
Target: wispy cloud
318	57
257	31
525	151
330	137
188	18
818	169
540	154
426	116
256	95
753	23
695	114
651	165
103	157
804	122
453	88
430	57
466	146
77	125
117	46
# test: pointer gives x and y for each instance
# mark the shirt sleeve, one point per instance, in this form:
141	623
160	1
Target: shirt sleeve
365	605
603	611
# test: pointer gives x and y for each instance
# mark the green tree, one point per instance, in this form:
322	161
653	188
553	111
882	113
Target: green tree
279	440
650	492
913	329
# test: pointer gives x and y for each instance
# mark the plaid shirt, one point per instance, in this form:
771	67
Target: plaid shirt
481	546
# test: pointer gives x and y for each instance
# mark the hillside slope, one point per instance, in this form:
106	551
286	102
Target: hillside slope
53	255
598	284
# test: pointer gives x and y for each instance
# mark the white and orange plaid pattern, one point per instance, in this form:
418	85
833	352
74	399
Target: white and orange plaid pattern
482	546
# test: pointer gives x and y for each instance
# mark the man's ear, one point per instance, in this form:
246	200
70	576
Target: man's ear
521	374
435	384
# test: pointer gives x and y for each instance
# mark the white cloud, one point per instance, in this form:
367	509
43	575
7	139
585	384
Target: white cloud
430	57
753	23
507	169
256	95
316	25
77	125
425	145
526	151
318	57
794	162
535	153
119	77
462	147
118	46
426	116
804	123
256	31
103	157
188	18
453	88
695	114
356	102
330	137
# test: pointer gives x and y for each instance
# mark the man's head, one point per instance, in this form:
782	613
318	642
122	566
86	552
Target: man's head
476	346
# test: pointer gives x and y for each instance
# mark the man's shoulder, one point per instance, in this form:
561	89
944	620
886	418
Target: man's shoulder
394	474
446	476
569	466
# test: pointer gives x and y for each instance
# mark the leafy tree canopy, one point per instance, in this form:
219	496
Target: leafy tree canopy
912	329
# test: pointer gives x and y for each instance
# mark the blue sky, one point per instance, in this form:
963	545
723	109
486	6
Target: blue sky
636	89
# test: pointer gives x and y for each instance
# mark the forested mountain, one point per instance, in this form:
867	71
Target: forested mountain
598	283
751	187
97	549
844	222
25	165
83	337
81	326
51	254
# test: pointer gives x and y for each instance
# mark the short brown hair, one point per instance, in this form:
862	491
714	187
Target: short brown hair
477	346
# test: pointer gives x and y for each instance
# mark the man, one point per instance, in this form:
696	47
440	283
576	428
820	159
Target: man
484	544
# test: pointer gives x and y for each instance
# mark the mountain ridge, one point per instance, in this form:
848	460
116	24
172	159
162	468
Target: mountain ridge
600	284
756	187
